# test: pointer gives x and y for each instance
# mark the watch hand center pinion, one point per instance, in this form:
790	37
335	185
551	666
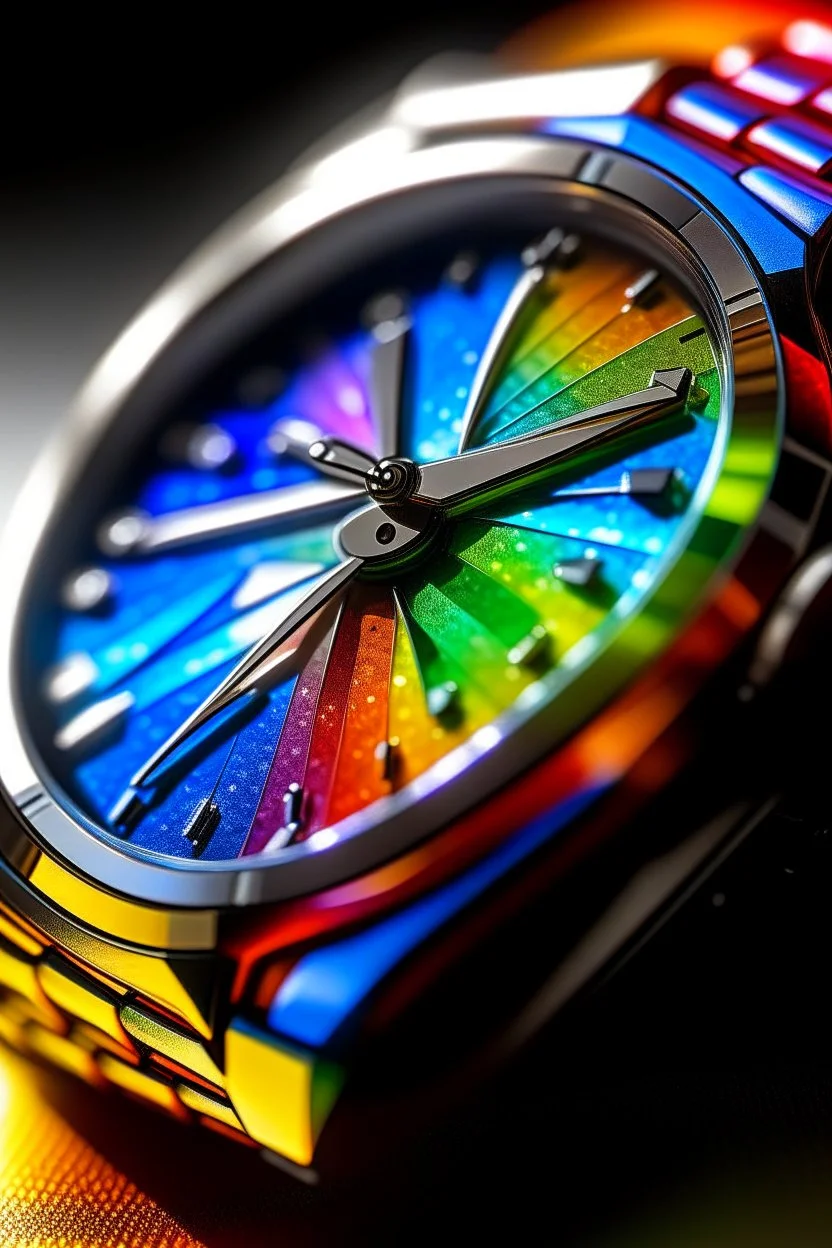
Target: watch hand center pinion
377	535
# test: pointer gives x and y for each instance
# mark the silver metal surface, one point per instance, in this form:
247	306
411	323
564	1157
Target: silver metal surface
71	677
468	479
273	508
373	534
582	571
257	668
493	356
270	578
88	589
641	289
386	380
136	364
91	723
336	458
525	97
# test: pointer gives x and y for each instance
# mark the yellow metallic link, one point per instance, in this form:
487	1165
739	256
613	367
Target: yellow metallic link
20	1010
125	920
282	1095
79	994
141	1084
18	971
157	1033
156	978
171	979
11	1030
17	936
61	1051
208	1106
91	1039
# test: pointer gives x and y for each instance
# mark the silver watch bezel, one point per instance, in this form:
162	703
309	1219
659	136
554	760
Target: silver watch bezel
276	220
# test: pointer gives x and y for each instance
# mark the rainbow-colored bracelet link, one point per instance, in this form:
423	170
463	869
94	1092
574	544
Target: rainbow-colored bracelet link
769	108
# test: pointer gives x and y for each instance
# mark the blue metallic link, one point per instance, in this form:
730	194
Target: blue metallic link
710	174
714	110
784	80
808	210
329	984
795	140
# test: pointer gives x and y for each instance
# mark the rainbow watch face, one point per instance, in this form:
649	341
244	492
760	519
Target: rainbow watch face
396	526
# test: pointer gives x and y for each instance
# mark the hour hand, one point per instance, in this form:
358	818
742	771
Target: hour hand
463	480
134	533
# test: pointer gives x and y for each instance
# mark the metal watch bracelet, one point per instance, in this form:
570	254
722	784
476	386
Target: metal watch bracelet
126	1015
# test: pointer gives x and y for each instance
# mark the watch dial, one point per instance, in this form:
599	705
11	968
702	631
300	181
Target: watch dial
223	521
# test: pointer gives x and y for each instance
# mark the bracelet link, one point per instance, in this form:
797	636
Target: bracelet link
774	105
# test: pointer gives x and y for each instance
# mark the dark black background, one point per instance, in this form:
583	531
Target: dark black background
81	97
691	1102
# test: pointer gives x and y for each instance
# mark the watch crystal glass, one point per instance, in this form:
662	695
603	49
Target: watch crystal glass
228	514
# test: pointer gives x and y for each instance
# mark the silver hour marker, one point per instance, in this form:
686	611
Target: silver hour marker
388	309
443	699
642	290
292	809
95	722
123	532
202	825
648	480
70	678
531	650
463	270
556	247
386	753
654	487
87	590
291	435
660	489
208	448
581	572
281	838
127	811
266	580
292	816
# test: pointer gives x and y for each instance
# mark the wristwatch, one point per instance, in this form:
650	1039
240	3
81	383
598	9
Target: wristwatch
417	605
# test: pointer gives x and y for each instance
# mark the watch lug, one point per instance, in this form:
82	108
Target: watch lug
185	982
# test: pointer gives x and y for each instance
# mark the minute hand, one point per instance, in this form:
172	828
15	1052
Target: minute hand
464	480
254	667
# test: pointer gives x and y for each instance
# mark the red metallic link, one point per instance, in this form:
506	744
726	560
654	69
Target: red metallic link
785	81
768	104
810	399
793	141
823	101
809	39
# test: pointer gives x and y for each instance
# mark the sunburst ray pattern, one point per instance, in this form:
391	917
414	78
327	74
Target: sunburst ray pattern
409	666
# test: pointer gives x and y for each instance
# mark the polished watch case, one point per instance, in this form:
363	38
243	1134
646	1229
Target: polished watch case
674	805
